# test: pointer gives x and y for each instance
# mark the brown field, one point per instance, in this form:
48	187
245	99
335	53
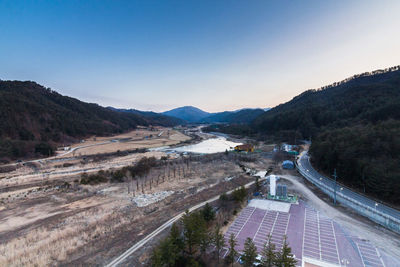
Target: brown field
67	163
140	138
48	218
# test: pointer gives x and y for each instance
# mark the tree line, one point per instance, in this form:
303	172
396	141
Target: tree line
149	172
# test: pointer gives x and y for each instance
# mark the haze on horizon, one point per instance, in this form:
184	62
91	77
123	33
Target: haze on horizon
217	56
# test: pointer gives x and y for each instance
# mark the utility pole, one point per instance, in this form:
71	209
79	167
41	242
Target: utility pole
334	190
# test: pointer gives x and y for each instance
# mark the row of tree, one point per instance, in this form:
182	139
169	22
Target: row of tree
270	257
149	172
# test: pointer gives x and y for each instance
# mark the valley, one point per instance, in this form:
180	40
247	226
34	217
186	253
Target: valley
48	216
200	133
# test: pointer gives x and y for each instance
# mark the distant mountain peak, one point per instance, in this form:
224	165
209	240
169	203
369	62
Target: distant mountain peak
187	113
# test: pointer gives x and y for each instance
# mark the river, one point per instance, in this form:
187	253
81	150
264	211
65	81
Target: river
209	146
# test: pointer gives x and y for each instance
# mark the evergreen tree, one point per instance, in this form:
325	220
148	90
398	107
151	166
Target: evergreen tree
218	241
176	243
164	254
208	213
240	194
249	256
285	257
156	258
268	254
168	255
257	185
232	251
205	242
194	228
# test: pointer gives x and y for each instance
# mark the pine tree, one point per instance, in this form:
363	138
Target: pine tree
163	254
156	258
218	241
205	242
176	243
268	254
194	228
285	257
257	184
232	251
208	213
249	256
168	255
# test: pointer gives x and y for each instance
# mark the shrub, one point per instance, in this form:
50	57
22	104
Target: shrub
93	179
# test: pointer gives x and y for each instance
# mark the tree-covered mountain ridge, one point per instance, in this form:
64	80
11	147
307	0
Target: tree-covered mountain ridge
33	119
368	97
365	74
354	126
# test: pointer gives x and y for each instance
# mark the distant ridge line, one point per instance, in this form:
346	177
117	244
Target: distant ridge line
364	74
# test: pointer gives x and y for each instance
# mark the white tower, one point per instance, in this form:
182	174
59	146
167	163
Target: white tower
272	185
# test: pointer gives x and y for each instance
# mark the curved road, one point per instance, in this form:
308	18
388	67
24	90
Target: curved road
306	169
120	259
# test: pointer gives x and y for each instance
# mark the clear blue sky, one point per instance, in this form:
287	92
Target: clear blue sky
216	55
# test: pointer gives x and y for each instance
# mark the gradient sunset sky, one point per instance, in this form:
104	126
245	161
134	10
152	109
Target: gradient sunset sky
215	55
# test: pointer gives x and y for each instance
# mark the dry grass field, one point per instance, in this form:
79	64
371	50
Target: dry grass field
137	139
53	219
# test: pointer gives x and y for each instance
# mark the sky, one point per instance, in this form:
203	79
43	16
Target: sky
215	55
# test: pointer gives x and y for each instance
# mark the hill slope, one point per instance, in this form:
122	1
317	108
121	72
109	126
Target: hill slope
241	117
187	113
153	117
33	118
355	128
363	99
195	115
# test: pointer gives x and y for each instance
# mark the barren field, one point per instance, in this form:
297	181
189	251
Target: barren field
52	219
140	138
97	153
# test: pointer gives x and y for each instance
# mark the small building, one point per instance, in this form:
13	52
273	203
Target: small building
244	147
287	147
287	164
281	191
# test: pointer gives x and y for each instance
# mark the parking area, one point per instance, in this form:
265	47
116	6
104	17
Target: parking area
314	238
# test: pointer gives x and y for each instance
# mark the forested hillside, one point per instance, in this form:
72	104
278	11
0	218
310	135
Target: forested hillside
187	113
155	118
354	126
366	156
244	116
364	99
33	119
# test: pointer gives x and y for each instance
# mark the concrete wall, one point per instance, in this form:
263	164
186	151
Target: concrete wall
362	209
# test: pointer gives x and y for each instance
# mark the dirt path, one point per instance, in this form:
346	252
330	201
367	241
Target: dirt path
357	225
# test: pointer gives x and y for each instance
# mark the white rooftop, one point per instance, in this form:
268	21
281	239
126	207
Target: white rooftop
265	204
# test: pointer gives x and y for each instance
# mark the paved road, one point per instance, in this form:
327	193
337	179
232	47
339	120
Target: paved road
306	167
120	259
